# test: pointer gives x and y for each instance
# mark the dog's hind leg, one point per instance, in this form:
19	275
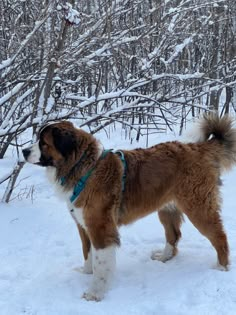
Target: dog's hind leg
209	223
171	218
203	209
87	250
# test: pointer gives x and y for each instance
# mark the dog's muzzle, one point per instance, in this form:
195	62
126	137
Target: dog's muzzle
32	154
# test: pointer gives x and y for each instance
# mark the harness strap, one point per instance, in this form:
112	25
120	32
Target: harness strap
122	157
82	181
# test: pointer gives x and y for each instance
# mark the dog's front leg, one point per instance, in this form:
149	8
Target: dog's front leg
87	250
104	261
77	215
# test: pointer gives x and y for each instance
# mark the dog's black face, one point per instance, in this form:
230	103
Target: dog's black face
55	143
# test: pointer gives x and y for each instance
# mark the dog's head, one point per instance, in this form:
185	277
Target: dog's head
56	142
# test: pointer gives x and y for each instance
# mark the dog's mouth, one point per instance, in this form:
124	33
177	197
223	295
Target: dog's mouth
45	161
37	163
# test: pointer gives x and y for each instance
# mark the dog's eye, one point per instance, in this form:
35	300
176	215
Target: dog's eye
42	144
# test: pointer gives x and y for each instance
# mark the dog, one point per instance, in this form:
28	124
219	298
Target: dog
106	189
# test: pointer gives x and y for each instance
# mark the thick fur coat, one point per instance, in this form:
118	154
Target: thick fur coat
171	178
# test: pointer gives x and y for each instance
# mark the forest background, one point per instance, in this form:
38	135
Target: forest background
147	65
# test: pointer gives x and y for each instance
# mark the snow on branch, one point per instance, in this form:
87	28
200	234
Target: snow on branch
11	93
71	15
6	176
14	106
9	61
184	6
178	50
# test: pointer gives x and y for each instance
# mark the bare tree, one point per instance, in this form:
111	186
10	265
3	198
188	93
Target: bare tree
144	64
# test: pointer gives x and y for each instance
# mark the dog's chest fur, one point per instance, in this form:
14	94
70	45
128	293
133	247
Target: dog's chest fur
76	213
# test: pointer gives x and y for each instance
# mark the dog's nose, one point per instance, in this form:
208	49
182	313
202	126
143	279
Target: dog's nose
26	153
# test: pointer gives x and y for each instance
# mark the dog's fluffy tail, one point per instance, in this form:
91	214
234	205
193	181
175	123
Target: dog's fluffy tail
220	132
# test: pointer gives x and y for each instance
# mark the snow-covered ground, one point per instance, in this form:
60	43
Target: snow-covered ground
40	251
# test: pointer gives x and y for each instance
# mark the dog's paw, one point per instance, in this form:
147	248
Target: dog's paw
84	270
221	268
90	296
158	255
164	255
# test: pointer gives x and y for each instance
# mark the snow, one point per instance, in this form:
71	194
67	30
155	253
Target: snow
71	15
179	48
40	250
6	168
11	93
24	42
5	63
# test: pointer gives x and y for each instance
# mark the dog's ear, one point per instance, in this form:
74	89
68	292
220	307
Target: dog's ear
64	141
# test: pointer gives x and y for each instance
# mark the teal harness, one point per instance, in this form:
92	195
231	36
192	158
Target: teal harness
79	187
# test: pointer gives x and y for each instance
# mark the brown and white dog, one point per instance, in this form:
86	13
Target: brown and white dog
172	177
